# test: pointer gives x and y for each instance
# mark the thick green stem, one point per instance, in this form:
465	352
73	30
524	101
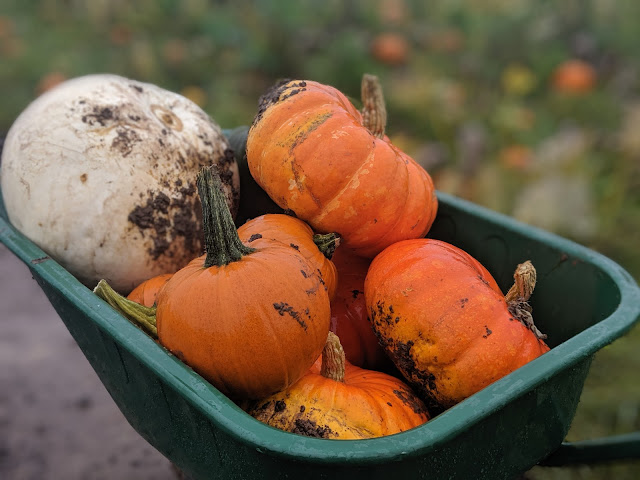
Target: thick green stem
374	112
327	243
333	359
139	314
221	241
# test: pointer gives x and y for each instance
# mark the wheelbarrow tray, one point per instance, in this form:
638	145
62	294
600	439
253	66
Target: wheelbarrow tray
583	301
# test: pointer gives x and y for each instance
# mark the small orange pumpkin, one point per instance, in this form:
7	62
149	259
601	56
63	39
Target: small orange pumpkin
317	248
250	319
146	293
445	323
574	76
349	313
390	48
333	167
338	400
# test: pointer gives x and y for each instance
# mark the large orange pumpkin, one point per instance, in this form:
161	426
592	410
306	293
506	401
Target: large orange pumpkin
445	323
317	248
349	313
338	400
332	166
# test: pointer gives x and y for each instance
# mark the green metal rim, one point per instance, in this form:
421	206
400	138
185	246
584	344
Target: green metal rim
419	441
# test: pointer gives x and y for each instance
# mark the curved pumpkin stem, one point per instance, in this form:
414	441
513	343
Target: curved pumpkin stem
139	314
333	359
517	297
221	241
374	112
524	282
327	243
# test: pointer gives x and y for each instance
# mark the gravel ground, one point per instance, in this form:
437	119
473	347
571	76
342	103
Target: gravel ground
57	420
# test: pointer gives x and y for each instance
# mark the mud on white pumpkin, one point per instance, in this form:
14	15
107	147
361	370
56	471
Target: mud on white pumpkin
100	172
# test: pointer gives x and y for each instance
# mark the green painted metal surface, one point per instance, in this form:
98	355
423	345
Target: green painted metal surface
583	301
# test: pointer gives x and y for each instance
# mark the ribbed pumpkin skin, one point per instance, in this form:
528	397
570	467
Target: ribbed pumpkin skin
349	313
294	233
146	293
367	404
309	150
444	321
252	327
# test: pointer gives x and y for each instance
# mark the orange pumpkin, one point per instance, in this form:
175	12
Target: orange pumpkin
390	48
338	400
333	167
318	249
574	76
250	319
445	323
146	293
349	313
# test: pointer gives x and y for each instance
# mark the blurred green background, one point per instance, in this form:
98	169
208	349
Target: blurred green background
531	108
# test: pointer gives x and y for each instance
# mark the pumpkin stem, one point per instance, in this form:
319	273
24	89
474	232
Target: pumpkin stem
333	359
327	243
221	241
374	112
517	297
141	315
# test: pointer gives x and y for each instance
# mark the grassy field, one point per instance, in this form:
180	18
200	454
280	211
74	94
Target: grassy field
473	93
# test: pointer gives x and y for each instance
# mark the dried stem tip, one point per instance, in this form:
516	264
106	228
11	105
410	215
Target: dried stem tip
517	297
374	112
524	282
333	359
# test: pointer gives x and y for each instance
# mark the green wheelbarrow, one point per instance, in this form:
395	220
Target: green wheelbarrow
583	301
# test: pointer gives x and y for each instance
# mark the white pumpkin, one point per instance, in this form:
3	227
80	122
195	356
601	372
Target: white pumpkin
100	173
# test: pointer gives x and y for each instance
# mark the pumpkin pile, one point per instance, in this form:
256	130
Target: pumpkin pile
336	318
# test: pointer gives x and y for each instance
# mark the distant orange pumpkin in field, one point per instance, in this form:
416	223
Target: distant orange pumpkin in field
516	156
390	48
48	81
120	35
574	76
448	40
